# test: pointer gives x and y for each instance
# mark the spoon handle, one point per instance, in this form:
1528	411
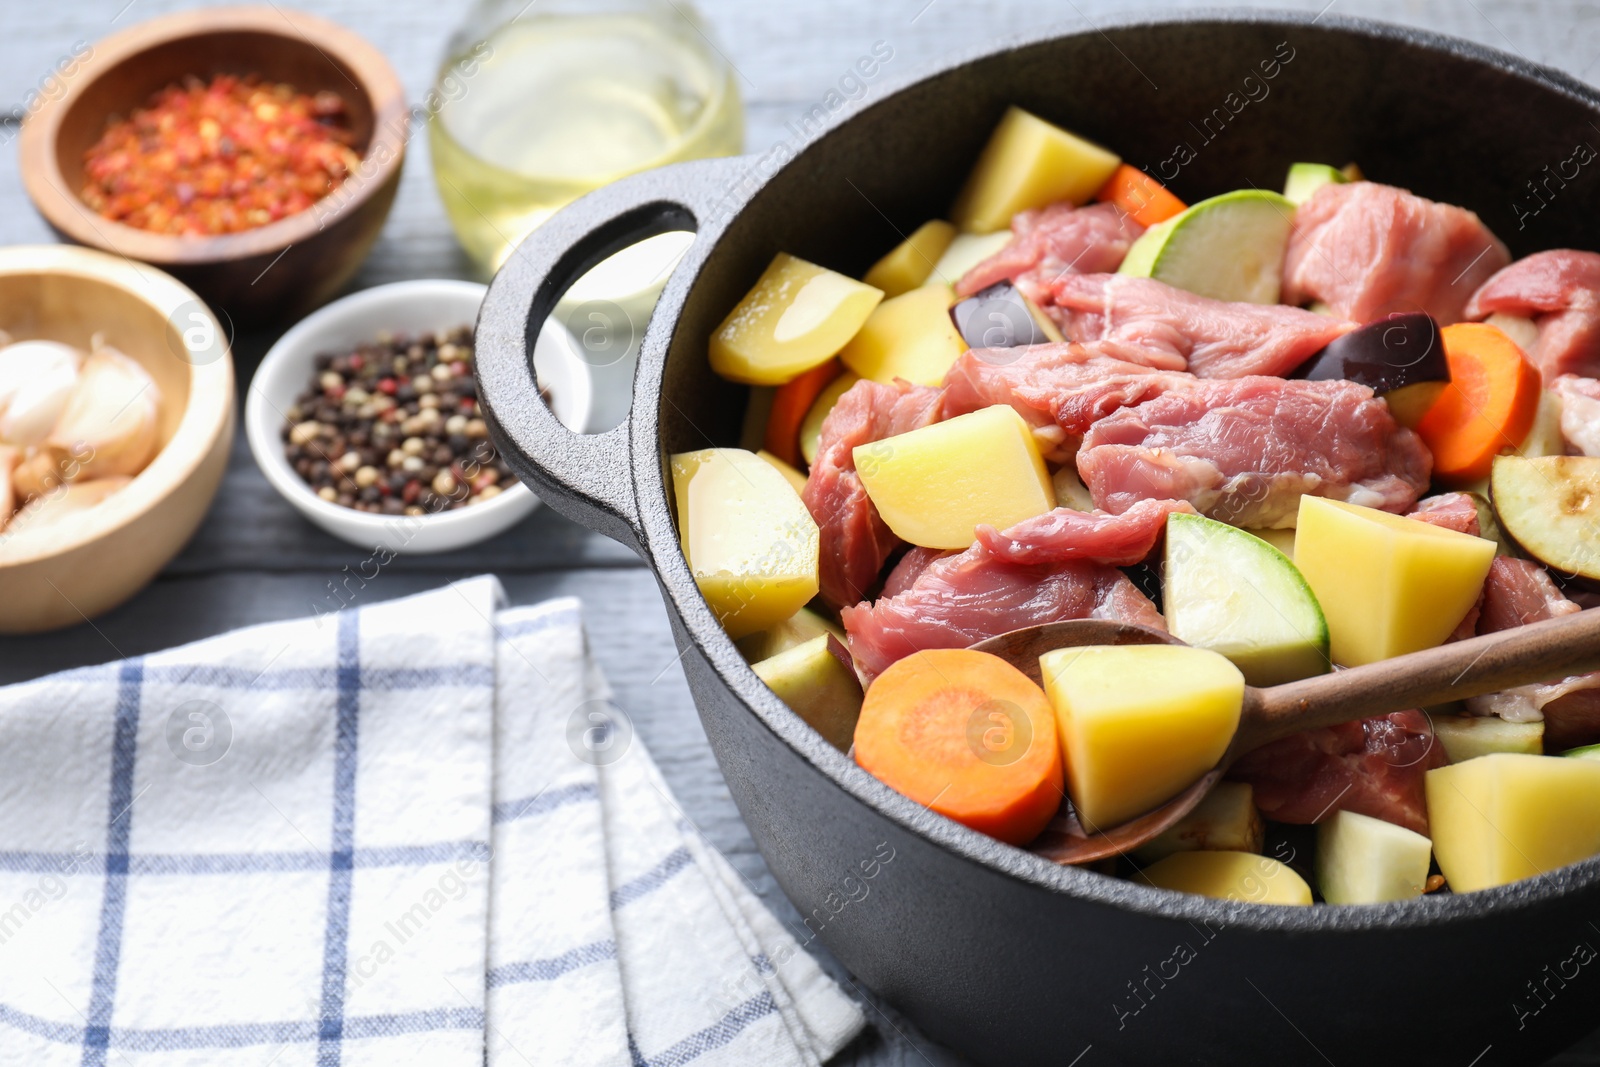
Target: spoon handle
1539	652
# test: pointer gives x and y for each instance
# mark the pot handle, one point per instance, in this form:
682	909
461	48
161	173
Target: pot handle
586	477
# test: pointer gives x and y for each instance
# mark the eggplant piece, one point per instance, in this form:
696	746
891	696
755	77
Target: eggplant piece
1001	317
1548	506
1400	358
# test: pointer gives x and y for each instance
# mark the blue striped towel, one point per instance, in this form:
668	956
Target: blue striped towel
416	832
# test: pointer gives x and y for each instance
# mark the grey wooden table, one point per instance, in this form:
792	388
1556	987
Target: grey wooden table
255	559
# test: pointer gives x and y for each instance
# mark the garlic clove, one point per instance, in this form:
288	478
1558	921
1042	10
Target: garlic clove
110	420
71	499
8	496
36	380
40	473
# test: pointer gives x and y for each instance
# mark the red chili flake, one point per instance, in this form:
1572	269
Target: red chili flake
387	386
468	404
412	490
221	156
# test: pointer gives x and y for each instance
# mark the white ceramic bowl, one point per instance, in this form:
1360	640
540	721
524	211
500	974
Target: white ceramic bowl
402	307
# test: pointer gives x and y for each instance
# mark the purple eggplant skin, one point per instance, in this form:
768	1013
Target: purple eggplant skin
997	317
1384	355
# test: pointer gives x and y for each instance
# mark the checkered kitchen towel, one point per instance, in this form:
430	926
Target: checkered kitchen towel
418	832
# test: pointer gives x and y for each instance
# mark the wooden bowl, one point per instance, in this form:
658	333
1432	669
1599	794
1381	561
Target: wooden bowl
79	567
276	271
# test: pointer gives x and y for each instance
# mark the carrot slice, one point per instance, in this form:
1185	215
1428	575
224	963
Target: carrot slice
789	406
1141	196
1487	408
969	736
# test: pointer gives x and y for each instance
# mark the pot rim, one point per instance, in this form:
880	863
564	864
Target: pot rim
660	546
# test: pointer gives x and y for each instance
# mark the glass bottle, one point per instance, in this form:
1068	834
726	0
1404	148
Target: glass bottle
539	103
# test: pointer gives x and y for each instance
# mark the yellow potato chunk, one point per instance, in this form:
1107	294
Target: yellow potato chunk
909	336
797	316
750	542
1387	584
912	260
1029	163
934	485
1241	876
1500	818
1138	723
790	475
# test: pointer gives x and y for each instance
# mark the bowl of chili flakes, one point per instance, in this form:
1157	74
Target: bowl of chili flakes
252	152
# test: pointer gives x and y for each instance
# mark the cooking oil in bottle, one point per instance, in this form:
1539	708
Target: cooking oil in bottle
542	103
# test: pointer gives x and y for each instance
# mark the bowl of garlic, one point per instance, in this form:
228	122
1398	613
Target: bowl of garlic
116	417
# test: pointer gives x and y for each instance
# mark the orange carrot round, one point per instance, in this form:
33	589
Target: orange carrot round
1141	196
789	406
1487	408
967	735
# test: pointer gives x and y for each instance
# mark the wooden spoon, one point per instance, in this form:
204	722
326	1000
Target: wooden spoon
1537	652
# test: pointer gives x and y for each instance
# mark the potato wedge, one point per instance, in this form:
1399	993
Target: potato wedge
934	485
909	336
1029	163
912	260
750	542
1240	876
1501	818
797	316
1387	585
1129	747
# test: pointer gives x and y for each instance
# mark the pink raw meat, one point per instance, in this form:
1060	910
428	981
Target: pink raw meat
1451	511
1580	413
1062	534
1367	250
1560	291
1052	241
1246	450
1372	767
1216	339
912	564
855	540
1068	385
1518	592
959	600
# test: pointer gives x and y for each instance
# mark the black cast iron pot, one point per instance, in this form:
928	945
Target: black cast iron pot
991	950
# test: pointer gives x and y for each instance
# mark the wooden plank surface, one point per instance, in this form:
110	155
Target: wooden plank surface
255	559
